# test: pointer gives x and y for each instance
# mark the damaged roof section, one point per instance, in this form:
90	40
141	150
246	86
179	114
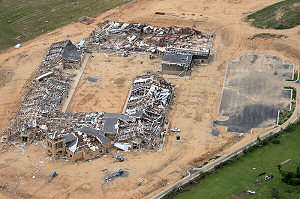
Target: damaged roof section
175	63
149	92
71	141
148	101
183	60
94	132
71	56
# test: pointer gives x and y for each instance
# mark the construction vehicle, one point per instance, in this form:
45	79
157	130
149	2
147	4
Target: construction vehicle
120	158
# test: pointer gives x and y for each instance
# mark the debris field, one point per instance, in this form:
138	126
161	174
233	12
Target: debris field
87	135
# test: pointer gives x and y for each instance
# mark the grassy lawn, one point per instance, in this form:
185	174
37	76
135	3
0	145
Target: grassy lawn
240	176
281	15
35	17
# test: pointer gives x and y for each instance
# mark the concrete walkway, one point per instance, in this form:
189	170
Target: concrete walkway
193	173
75	84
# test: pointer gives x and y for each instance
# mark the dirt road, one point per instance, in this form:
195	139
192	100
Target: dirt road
196	105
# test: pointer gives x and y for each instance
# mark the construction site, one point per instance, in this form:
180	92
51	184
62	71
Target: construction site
125	106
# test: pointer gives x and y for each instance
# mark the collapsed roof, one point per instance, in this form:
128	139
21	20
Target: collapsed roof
139	37
183	60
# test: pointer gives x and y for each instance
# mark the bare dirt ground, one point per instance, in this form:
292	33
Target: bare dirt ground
196	105
115	74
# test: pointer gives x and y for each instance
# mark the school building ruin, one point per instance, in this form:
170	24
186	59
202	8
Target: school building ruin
173	43
87	135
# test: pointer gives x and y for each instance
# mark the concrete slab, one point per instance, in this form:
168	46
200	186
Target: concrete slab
253	92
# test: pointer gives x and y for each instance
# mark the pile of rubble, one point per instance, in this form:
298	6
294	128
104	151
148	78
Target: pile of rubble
149	92
45	94
180	46
148	101
40	116
86	135
139	37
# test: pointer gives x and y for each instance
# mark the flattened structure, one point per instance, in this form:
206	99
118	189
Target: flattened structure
140	37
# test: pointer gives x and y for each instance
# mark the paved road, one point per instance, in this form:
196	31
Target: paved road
196	171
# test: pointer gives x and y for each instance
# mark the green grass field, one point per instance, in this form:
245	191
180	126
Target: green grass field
36	17
240	176
281	15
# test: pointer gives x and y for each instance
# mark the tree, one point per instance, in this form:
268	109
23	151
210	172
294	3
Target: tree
290	177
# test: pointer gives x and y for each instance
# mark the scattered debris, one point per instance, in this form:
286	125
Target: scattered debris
214	132
175	129
80	44
18	46
3	185
120	173
261	174
160	13
141	182
282	163
86	20
124	146
180	46
125	54
53	175
152	56
120	158
251	192
268	177
93	79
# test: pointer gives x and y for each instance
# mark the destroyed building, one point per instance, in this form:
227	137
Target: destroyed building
71	56
66	53
139	37
148	101
171	42
87	135
177	64
84	143
40	116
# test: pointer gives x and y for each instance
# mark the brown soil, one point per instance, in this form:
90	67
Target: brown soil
196	104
